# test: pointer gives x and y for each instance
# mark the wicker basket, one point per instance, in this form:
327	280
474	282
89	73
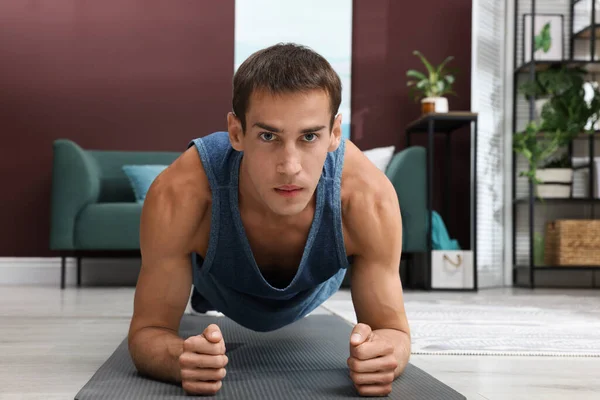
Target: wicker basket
572	243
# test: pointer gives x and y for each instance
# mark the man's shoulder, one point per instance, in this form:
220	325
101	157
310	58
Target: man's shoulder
362	181
183	186
367	197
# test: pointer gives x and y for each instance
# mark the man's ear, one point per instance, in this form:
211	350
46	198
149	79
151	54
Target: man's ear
336	133
236	134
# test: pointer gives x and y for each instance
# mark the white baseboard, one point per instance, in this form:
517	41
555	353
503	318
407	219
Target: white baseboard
45	271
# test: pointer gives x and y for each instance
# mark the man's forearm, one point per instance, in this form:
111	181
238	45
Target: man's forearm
155	352
401	341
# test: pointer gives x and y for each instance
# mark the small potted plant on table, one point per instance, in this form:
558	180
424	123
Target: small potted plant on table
431	88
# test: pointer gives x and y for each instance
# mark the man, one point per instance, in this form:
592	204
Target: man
263	221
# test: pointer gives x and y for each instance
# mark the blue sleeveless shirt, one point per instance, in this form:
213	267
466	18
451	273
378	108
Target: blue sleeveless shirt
228	276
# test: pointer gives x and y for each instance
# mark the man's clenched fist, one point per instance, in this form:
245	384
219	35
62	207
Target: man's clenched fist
372	362
203	362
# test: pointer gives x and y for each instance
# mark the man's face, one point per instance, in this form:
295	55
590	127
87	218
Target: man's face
285	145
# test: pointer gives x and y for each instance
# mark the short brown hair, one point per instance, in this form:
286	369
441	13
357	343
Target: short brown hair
284	68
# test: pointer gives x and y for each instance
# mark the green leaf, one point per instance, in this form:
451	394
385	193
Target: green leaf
443	64
415	74
440	86
422	84
429	67
543	40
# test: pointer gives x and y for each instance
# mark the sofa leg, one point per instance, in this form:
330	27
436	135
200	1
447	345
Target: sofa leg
62	271
78	270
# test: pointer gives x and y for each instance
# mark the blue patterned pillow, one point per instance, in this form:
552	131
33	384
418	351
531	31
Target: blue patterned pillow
141	177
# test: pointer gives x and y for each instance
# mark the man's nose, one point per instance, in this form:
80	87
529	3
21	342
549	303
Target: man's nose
289	163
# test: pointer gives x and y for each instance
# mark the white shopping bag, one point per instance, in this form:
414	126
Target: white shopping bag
452	269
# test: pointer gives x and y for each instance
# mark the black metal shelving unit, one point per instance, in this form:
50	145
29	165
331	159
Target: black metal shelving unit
590	32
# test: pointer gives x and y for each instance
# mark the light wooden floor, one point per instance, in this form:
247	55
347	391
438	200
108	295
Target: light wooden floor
52	341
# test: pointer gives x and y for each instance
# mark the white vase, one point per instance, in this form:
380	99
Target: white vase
556	183
435	104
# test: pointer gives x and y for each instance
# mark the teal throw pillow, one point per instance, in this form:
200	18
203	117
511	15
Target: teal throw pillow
141	177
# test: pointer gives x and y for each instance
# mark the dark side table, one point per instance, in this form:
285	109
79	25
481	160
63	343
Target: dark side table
447	123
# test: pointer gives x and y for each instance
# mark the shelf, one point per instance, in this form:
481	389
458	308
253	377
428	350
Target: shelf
572	200
581	136
560	268
582	166
444	122
586	33
590	66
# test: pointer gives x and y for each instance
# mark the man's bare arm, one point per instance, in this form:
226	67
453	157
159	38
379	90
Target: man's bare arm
375	228
170	219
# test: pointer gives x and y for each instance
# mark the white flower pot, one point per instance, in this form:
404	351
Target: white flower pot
557	182
434	104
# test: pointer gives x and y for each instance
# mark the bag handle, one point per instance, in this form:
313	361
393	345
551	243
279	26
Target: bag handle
456	264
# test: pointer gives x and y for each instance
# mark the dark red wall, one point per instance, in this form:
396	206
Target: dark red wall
385	35
136	75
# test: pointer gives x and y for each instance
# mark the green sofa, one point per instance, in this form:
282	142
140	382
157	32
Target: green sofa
407	172
93	205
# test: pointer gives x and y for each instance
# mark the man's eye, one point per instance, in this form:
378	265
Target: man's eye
266	136
310	137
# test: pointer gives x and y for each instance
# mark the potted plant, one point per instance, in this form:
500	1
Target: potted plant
555	178
570	109
551	82
431	88
573	106
536	147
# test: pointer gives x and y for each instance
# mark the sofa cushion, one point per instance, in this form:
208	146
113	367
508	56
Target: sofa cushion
141	177
108	226
380	156
115	187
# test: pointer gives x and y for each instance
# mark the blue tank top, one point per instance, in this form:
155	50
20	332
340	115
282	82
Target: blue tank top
228	276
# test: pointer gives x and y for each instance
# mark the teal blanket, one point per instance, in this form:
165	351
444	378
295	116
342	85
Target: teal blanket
439	235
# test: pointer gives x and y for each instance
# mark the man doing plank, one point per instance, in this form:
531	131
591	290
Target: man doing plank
262	222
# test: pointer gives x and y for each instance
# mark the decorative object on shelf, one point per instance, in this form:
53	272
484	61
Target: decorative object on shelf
554	81
549	43
570	109
432	88
555	178
573	107
574	242
536	147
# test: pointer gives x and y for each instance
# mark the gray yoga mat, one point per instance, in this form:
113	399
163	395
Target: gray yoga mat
305	360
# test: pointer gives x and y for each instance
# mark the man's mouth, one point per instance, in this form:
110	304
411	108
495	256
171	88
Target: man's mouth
288	190
289	187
